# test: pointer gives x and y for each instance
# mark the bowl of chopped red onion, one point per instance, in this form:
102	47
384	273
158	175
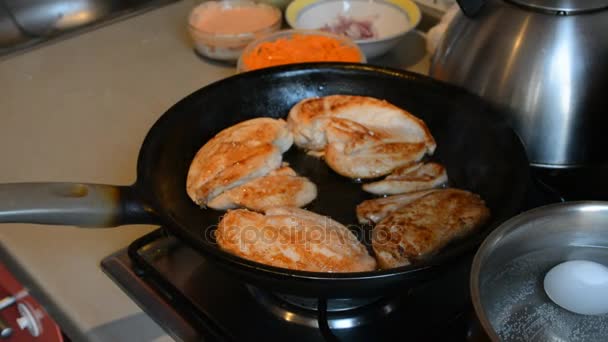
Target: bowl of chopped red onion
376	26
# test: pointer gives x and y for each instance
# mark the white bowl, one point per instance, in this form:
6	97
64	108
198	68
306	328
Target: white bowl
391	19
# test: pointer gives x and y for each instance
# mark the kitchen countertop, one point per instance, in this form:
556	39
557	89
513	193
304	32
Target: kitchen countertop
78	110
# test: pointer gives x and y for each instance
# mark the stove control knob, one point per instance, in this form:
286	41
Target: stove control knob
28	320
5	330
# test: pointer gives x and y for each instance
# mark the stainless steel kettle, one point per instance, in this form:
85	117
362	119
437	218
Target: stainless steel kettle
544	63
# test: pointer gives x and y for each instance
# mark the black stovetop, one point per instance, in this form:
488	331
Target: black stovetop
219	306
192	299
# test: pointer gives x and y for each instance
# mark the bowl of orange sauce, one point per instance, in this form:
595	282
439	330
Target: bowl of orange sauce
222	29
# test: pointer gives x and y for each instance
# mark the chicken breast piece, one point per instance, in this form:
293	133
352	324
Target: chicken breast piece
408	179
426	225
236	155
405	169
355	151
281	187
255	132
374	210
307	118
293	238
360	137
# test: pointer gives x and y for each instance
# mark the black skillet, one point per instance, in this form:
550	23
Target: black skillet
481	154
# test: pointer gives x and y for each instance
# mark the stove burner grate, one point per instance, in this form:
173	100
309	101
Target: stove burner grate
341	313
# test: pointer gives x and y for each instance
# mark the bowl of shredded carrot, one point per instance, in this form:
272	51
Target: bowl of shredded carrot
298	46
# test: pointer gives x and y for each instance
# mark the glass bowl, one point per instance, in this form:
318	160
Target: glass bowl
294	56
228	46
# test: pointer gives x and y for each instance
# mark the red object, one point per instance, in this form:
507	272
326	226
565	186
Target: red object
49	330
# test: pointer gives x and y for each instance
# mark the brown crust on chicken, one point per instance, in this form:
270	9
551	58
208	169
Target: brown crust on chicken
293	238
236	155
350	107
361	137
410	178
426	225
374	210
280	188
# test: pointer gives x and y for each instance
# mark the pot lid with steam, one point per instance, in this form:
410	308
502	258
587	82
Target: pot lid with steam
568	6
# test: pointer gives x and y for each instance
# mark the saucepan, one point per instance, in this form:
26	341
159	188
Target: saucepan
481	153
542	276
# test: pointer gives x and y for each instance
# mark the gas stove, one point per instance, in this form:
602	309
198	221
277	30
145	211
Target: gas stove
216	306
193	299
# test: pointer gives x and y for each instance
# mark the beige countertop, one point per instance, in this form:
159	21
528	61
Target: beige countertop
78	110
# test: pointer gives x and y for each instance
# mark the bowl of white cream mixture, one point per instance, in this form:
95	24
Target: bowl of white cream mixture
222	29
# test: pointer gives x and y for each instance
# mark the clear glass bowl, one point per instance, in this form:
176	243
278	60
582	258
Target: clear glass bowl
241	67
222	46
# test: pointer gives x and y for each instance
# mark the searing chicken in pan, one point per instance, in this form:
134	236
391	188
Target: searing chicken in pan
374	210
281	187
236	155
240	167
360	137
425	225
410	178
293	238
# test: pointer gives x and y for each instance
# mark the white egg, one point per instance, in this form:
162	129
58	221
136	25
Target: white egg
579	286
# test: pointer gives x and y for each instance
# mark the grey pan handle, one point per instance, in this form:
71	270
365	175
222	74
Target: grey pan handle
77	204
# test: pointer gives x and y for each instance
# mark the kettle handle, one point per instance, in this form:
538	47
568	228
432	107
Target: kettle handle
470	8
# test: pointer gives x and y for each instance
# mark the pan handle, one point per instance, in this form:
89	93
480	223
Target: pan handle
77	204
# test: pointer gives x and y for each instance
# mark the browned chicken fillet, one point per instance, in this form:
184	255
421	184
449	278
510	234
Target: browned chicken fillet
281	187
426	225
360	137
306	119
408	179
373	162
357	152
293	238
236	155
374	210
